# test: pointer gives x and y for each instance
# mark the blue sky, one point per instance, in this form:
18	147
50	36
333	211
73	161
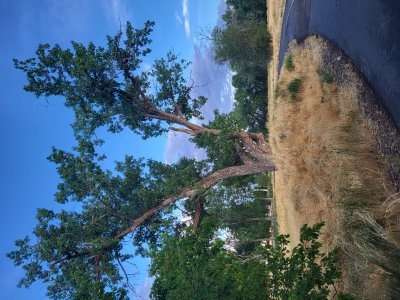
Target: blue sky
29	127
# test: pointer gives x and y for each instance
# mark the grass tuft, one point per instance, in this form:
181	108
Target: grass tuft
289	64
294	88
325	76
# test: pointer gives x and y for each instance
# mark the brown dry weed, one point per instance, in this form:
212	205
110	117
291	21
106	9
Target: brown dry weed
275	11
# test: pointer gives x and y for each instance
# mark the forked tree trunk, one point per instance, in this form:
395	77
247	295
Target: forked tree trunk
256	157
249	168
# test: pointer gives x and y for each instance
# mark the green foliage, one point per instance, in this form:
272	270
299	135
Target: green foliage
306	273
169	74
343	296
325	76
244	43
245	7
243	212
251	99
196	266
104	85
221	151
289	64
108	201
294	88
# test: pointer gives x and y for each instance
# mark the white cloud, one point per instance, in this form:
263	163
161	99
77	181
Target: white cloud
178	19
117	12
143	291
178	146
219	91
185	13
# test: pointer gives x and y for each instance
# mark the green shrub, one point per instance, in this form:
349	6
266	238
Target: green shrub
303	273
198	265
294	87
289	65
325	76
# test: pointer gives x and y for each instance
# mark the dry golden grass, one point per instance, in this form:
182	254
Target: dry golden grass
300	132
275	11
329	169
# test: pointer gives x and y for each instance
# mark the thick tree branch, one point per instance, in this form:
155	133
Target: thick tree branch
97	266
172	96
156	113
246	159
261	163
70	257
187	131
205	184
198	214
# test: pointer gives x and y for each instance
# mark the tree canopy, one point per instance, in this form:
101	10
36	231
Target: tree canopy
197	266
79	253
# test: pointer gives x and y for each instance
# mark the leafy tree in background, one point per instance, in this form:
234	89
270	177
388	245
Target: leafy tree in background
244	44
245	7
198	267
79	253
304	274
241	214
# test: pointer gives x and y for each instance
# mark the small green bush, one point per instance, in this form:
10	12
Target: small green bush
294	87
325	76
289	65
303	273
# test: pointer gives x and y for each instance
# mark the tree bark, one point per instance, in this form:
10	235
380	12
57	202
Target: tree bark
198	214
254	152
204	184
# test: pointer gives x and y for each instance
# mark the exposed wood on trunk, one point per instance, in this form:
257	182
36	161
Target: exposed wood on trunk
187	131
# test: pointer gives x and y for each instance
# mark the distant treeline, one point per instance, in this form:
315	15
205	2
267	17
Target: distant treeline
244	44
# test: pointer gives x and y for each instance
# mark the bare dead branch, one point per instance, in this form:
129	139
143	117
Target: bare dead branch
128	284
